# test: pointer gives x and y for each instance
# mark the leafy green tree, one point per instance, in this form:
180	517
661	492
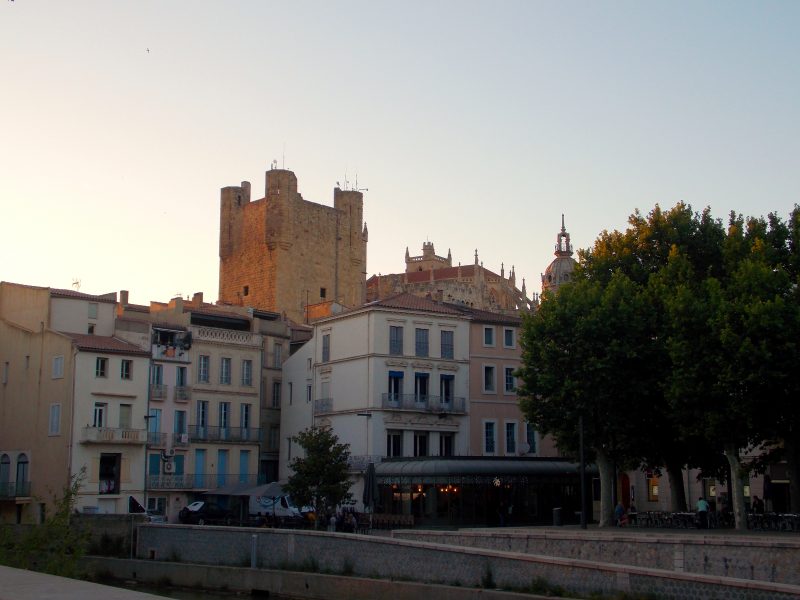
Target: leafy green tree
55	546
320	478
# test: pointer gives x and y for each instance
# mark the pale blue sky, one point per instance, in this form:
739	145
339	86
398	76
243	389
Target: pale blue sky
473	124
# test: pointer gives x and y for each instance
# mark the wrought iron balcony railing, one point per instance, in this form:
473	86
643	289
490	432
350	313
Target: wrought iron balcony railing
183	393
201	481
15	489
323	405
198	433
424	403
158	392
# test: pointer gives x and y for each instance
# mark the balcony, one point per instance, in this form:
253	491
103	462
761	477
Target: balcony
180	440
251	435
158	392
112	435
183	393
156	438
15	489
226	336
201	481
420	403
323	405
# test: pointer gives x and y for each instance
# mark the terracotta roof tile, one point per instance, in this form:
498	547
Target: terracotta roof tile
111	297
101	343
411	302
485	316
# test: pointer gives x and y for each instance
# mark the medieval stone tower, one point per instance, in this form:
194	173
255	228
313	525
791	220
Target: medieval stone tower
282	253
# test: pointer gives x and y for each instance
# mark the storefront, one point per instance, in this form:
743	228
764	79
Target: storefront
451	492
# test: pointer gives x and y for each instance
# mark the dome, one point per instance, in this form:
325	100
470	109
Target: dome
560	270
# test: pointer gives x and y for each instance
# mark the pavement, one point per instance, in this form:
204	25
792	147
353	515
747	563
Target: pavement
18	584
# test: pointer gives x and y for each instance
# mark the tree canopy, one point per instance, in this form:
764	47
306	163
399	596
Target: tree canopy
675	342
320	477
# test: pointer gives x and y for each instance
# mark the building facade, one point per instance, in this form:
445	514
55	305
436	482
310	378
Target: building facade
282	253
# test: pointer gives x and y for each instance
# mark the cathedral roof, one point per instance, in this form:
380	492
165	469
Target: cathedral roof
410	302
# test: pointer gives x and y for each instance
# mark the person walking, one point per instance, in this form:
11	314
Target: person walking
702	513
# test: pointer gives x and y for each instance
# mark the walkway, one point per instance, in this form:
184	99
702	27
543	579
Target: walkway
18	584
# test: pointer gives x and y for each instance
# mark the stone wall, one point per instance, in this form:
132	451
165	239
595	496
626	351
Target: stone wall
745	557
378	557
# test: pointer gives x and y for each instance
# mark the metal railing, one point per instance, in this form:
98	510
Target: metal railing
158	391
323	405
156	438
360	462
215	433
183	393
112	435
424	403
201	481
15	489
180	440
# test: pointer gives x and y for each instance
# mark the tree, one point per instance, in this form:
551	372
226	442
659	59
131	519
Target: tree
55	546
320	478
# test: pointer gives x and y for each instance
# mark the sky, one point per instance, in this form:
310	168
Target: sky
473	125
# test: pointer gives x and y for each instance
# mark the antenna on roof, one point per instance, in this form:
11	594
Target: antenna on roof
76	283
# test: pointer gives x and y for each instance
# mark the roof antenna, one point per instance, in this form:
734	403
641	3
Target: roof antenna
76	283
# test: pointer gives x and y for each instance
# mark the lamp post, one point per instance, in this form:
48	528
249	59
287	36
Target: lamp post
582	472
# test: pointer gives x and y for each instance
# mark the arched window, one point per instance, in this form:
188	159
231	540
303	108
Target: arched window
22	469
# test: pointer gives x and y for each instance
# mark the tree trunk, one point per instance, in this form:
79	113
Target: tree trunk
607	483
792	450
677	501
732	454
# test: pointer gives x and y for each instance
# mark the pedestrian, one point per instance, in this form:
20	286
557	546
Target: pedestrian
702	513
620	517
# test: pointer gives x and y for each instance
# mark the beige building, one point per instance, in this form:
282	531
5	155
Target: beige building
282	253
73	400
435	277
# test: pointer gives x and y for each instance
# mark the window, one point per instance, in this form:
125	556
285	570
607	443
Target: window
420	443
202	413
488	336
92	310
446	444
225	370
154	426
290	393
224	415
511	438
652	488
202	369
421	387
510	383
326	347
489	445
508	338
22	469
247	373
157	375
246	290
125	412
5	372
101	367
446	385
109	473
179	422
244	417
394	443
276	394
180	377
54	422
421	342
99	414
447	344
530	437
244	465
488	379
308	392
322	293
277	359
273	437
58	367
395	386
395	340
90	329
126	369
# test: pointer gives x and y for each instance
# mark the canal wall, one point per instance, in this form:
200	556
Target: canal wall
772	558
435	563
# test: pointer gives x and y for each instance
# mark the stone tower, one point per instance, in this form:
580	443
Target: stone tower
282	253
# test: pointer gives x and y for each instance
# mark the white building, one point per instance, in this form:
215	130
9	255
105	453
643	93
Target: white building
390	378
